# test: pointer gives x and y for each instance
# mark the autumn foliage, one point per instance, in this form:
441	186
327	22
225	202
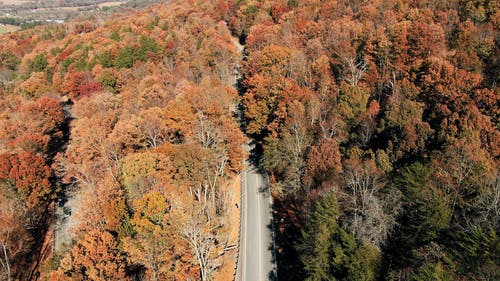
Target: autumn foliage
376	121
112	134
344	97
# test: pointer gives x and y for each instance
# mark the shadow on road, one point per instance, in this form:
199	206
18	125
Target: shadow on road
255	154
287	232
273	274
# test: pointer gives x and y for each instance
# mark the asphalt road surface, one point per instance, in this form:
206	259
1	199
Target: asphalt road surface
256	242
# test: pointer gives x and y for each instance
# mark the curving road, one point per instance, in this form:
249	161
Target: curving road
256	258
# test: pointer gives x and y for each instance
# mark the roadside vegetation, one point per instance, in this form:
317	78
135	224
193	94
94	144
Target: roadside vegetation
376	121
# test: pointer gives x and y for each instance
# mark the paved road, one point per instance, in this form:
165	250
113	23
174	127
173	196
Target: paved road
256	245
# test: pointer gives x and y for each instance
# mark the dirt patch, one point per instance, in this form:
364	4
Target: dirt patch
226	273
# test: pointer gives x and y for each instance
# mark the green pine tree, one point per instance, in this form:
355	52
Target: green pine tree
330	253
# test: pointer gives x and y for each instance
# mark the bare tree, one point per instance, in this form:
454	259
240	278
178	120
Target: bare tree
212	140
466	165
12	230
153	127
368	217
489	205
354	69
203	237
169	62
494	198
5	260
295	141
204	220
206	133
366	131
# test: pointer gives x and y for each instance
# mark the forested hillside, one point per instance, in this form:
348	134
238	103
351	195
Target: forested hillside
377	122
131	121
379	129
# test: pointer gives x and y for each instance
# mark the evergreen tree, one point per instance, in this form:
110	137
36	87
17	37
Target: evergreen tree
39	63
425	212
329	252
319	252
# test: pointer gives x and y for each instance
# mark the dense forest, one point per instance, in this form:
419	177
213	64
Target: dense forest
377	122
130	121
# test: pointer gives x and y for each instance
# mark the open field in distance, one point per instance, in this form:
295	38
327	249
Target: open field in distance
6	28
110	4
13	2
50	10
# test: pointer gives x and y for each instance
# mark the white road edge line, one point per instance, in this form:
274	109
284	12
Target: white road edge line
273	231
244	190
260	226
